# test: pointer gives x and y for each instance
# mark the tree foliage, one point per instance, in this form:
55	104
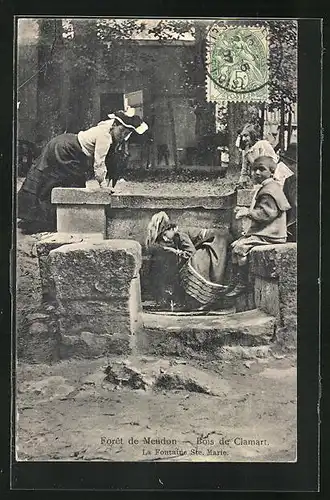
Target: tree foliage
283	41
109	49
83	39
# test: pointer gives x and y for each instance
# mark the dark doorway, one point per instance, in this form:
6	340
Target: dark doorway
110	103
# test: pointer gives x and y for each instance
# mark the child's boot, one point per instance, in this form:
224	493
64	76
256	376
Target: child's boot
233	278
241	282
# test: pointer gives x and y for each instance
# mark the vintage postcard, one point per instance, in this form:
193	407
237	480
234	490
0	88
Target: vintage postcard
156	252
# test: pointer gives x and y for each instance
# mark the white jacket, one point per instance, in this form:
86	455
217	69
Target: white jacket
96	142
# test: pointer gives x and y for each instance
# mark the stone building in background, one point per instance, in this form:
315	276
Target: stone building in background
162	80
69	81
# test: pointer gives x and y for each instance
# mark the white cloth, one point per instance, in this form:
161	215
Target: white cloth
282	172
96	142
260	148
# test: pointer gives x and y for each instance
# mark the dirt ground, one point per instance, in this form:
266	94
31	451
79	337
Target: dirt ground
66	411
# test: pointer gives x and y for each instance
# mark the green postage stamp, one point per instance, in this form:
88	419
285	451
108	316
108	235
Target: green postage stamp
237	63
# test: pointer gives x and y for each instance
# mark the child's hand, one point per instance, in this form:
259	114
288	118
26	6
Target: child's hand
179	253
171	249
242	212
183	254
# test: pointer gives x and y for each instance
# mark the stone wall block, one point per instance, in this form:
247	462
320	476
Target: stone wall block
81	219
42	339
119	324
81	210
98	296
82	307
129	222
271	261
244	197
266	295
100	271
286	336
245	302
51	242
135	306
91	345
288	288
157	203
275	276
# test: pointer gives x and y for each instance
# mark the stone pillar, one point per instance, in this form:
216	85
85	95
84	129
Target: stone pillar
48	243
97	289
239	226
81	210
39	341
273	270
243	199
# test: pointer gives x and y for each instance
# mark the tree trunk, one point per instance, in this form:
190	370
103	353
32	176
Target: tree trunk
282	126
50	54
172	128
82	79
233	126
152	150
236	119
205	111
65	90
152	100
262	119
289	127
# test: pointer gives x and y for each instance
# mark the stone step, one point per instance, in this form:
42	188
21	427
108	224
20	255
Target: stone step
188	335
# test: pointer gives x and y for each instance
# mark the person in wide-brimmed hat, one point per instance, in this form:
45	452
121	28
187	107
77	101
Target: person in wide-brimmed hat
65	162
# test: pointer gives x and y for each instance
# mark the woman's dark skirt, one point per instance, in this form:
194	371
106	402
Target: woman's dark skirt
202	276
62	163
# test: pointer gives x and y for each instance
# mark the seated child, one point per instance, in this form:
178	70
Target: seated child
268	221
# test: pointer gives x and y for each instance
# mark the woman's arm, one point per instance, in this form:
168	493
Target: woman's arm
102	145
185	244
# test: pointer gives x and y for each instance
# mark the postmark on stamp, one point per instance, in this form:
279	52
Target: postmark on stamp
237	63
